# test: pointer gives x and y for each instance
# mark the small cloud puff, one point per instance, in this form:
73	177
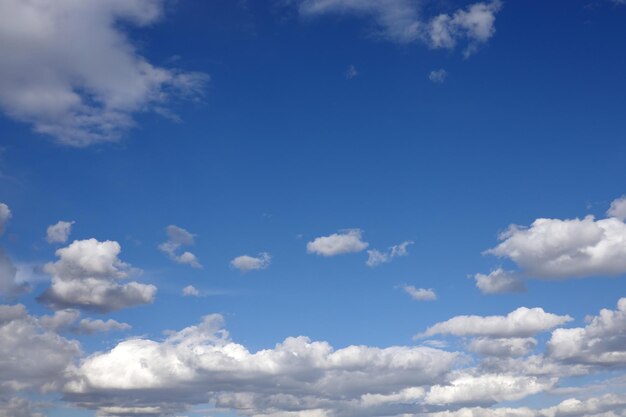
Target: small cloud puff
246	263
346	241
59	232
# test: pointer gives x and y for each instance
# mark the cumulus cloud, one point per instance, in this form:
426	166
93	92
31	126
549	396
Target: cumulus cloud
5	215
400	21
18	407
346	241
438	76
246	263
191	291
201	363
59	232
9	283
376	257
420	294
554	248
522	322
67	320
601	342
87	276
487	389
31	357
618	208
71	71
499	281
177	237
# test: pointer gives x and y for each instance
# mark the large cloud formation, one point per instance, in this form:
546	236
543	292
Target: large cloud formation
67	68
400	21
87	276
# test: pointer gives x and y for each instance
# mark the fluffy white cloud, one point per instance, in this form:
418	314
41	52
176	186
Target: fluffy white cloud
618	208
554	248
487	389
87	276
69	69
438	76
420	294
523	322
5	215
200	363
601	342
31	357
191	291
246	263
376	257
502	347
177	237
499	281
9	283
400	21
346	241
59	232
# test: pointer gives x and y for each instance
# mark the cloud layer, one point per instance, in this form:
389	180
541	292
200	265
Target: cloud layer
69	70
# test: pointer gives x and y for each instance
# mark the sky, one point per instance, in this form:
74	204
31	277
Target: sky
312	208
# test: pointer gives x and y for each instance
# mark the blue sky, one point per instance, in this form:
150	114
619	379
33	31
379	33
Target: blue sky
343	170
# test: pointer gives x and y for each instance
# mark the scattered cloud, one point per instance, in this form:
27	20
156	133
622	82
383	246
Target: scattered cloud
87	276
89	326
420	294
191	291
59	232
601	342
10	285
618	208
351	72
499	281
376	257
346	241
438	76
5	215
245	263
556	249
177	237
18	407
73	72
522	322
400	21
32	357
502	347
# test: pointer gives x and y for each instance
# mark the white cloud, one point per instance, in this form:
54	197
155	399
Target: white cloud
86	276
487	389
89	326
522	322
499	281
400	21
177	237
67	320
191	291
346	241
351	72
70	70
31	357
59	232
5	215
420	294
502	347
438	76
200	364
9	283
618	208
554	248
376	257
601	342
246	263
